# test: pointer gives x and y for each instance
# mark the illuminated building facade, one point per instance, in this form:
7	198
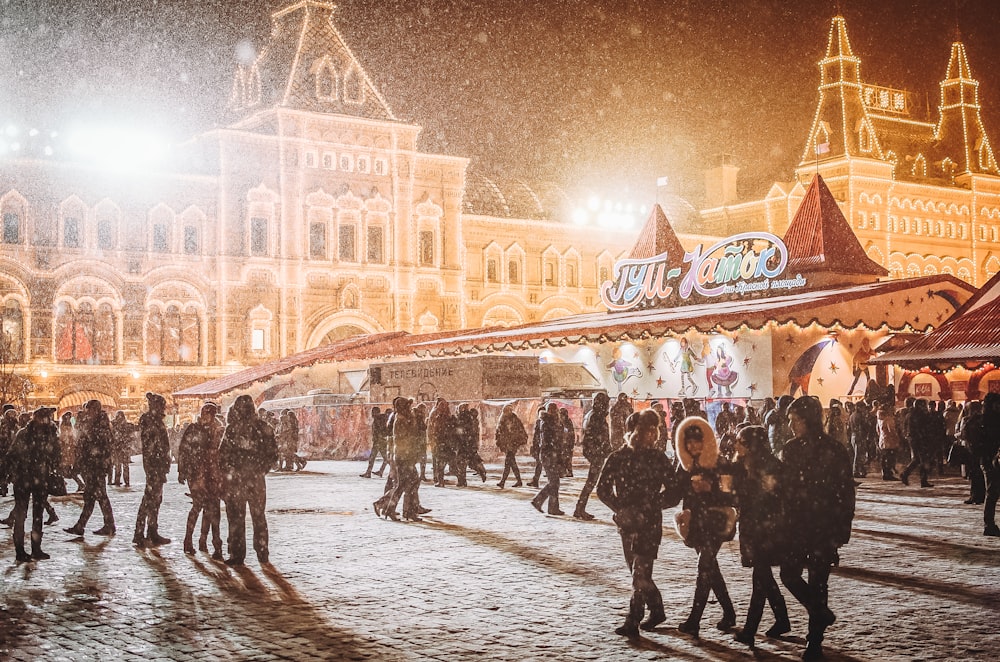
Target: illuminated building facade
922	193
311	216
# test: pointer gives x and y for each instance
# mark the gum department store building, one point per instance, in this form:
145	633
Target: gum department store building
312	216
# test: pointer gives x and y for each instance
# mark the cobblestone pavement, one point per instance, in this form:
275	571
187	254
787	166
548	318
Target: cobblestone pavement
484	575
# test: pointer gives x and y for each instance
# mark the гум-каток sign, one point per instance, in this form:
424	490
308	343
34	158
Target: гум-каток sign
741	264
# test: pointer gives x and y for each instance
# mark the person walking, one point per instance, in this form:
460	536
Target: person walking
408	448
596	448
510	436
550	455
637	483
247	452
68	446
32	457
8	430
379	443
536	440
758	489
441	439
568	441
198	466
94	436
707	519
156	465
776	422
617	415
820	492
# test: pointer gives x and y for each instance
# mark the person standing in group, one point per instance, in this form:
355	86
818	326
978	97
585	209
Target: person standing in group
32	458
94	443
550	455
8	430
121	449
820	495
637	483
707	519
198	466
617	415
68	446
467	445
758	489
247	452
984	450
440	439
568	441
379	443
288	442
510	436
156	465
888	439
920	434
536	440
776	422
596	448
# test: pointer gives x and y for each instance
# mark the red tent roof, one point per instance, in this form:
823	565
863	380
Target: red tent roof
657	237
819	238
970	337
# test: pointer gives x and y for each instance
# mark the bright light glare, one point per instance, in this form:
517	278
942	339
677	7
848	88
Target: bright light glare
117	149
580	216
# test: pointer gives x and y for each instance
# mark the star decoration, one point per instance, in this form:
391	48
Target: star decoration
635	393
746	361
819	380
930	293
916	320
940	316
753	387
906	301
891	302
834	367
736	338
921	300
650	366
659	382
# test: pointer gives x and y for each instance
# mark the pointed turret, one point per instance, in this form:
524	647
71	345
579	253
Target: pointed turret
960	133
657	237
841	126
306	66
822	245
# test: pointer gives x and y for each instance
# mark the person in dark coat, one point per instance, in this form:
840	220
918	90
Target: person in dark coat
758	489
550	456
379	443
408	449
536	440
596	448
970	430
94	441
776	422
863	437
467	448
568	441
510	436
920	432
32	457
985	451
247	452
617	415
637	483
8	430
198	466
121	449
707	519
156	465
819	496
440	439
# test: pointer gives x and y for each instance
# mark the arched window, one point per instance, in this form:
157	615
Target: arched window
326	81
85	334
491	271
571	275
513	272
550	273
172	337
11	332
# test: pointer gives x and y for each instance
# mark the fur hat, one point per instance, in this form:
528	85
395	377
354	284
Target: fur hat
710	445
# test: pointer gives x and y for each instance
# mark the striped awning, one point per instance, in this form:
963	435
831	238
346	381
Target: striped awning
77	399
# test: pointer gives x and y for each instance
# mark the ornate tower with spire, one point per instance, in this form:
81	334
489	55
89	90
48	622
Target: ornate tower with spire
960	134
841	125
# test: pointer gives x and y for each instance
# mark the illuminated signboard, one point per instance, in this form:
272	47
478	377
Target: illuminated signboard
741	264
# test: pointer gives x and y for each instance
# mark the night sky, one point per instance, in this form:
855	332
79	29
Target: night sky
600	93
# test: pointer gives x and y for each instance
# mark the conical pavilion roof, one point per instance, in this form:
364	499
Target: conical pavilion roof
657	237
819	238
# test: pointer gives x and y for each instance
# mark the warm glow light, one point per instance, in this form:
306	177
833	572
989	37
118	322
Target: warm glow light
117	149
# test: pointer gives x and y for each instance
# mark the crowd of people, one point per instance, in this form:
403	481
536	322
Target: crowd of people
221	459
784	476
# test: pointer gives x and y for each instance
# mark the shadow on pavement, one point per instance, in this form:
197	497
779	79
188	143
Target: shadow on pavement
967	594
950	551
